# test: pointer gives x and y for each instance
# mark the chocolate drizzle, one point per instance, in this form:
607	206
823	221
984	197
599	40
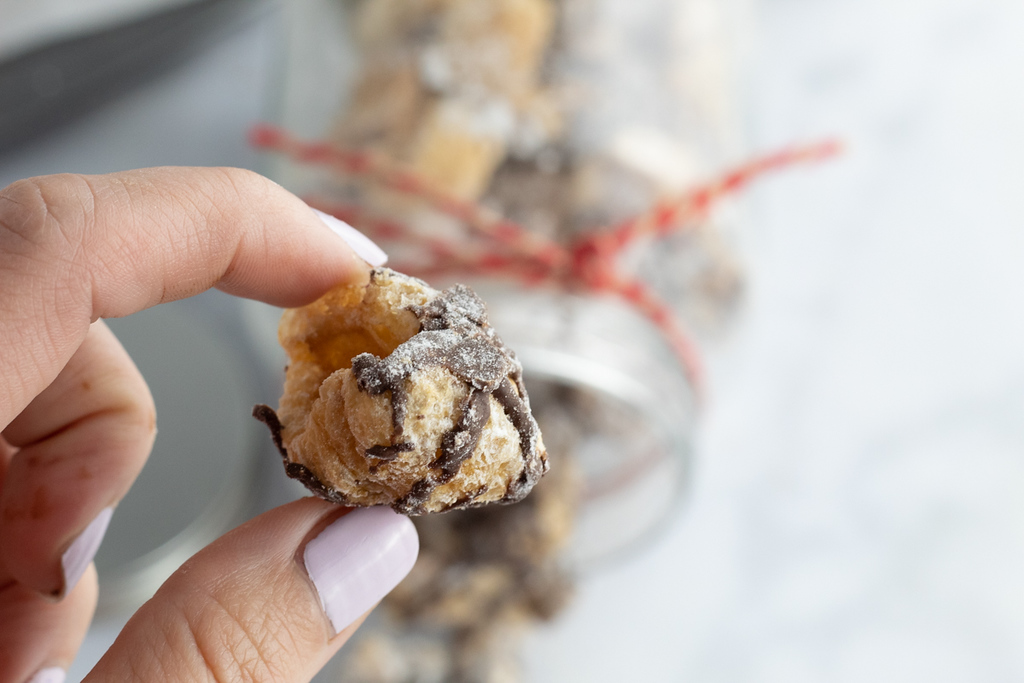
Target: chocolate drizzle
387	453
517	407
295	470
458	444
472	360
454	334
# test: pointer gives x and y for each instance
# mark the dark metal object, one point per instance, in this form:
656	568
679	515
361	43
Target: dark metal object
53	85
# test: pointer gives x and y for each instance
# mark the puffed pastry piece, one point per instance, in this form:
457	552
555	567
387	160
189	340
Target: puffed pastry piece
398	394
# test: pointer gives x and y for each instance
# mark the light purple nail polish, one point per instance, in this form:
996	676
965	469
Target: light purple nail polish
83	549
53	674
358	559
360	243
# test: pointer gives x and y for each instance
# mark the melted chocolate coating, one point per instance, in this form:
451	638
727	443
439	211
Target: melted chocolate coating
387	453
459	443
517	407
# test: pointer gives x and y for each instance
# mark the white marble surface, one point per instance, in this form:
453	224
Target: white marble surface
857	510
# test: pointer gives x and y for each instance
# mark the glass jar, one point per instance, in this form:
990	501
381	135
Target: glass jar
567	117
608	393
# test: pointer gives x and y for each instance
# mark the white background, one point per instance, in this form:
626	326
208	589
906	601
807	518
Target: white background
858	507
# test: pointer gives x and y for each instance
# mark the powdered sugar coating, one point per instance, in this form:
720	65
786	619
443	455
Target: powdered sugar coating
457	428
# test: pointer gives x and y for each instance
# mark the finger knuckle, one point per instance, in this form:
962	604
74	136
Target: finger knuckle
23	218
216	184
138	417
43	213
242	180
125	397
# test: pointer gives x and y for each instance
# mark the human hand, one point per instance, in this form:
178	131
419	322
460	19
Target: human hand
271	600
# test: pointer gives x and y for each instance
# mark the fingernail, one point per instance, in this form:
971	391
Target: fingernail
360	243
83	549
358	559
53	674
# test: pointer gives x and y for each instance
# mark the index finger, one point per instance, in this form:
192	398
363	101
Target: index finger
76	248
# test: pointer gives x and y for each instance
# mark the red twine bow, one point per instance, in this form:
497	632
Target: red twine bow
502	248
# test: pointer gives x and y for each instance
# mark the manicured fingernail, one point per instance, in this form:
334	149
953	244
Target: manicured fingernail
53	674
360	243
83	549
358	559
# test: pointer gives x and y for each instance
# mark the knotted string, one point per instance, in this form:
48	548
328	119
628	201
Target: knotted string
496	247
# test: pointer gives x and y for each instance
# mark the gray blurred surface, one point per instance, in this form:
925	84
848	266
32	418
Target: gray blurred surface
196	114
58	82
202	392
204	475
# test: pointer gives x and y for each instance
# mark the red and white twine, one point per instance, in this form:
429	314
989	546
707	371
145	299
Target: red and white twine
500	248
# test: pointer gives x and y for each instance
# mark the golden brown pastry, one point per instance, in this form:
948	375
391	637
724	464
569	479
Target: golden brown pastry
398	394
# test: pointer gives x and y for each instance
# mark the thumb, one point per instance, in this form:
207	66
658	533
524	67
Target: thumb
272	600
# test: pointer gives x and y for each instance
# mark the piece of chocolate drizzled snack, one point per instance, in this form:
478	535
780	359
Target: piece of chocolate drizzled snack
397	394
